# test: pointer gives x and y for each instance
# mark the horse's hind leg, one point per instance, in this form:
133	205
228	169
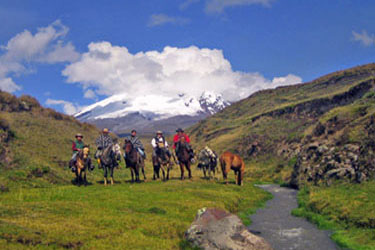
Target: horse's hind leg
85	178
132	173
143	172
182	171
168	172
189	169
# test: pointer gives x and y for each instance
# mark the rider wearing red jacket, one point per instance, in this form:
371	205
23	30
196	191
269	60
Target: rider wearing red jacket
176	139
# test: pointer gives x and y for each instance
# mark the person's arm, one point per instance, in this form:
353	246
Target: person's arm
166	144
153	143
175	140
187	138
74	147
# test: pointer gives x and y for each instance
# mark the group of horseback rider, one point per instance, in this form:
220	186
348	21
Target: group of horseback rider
105	140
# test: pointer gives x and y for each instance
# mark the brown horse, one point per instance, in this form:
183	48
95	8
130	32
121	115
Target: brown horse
230	161
134	161
82	165
183	156
161	161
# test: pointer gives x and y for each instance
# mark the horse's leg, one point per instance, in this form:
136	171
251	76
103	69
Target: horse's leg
112	169
163	171
182	170
189	169
136	173
154	176
85	178
132	173
105	174
168	172
143	171
79	176
204	172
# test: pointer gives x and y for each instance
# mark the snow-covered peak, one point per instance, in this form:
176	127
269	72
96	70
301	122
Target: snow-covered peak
154	107
212	102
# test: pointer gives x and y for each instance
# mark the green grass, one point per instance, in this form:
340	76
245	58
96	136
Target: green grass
346	209
151	215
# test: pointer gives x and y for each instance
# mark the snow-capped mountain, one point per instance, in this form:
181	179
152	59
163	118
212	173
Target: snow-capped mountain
120	113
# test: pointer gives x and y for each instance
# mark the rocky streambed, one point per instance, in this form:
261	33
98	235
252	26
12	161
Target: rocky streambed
281	230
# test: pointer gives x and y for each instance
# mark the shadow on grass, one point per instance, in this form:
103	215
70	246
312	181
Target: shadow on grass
75	183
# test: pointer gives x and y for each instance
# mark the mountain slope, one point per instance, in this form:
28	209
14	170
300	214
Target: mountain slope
35	142
274	125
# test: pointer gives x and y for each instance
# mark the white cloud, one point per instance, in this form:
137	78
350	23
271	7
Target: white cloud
187	3
68	107
113	70
364	38
217	6
25	48
7	84
161	19
90	94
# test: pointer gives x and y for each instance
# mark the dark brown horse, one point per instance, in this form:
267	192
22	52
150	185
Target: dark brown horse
134	161
82	165
230	161
161	161
183	156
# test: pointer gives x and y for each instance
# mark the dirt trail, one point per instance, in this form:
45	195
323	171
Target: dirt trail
284	231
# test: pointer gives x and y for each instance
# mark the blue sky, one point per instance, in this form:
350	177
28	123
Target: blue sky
262	40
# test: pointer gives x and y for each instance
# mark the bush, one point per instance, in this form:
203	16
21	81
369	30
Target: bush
4	124
27	102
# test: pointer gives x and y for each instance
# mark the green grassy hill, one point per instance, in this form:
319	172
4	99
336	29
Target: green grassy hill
318	136
35	143
269	124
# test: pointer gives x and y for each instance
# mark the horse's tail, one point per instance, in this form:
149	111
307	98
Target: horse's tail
222	164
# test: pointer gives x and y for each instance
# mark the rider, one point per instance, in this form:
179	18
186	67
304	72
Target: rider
176	139
159	138
77	146
137	144
102	142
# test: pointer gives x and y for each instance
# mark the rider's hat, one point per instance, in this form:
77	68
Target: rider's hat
105	130
159	132
179	130
133	131
79	135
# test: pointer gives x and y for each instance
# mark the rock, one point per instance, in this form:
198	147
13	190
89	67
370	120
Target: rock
217	229
322	149
313	146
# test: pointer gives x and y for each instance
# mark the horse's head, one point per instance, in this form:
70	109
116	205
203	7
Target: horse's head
85	152
117	150
128	146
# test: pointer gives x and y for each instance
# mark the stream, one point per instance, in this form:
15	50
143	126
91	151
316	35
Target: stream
281	229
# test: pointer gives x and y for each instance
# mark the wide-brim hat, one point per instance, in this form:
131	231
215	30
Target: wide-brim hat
179	130
159	132
79	135
105	130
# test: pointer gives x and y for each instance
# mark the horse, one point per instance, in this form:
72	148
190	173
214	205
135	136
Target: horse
230	161
81	165
134	161
208	163
161	161
183	156
107	160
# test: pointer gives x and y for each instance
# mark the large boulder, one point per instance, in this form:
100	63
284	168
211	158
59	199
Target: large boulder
217	229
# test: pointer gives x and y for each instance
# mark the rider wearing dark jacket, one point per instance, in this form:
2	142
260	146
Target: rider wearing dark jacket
102	142
137	144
